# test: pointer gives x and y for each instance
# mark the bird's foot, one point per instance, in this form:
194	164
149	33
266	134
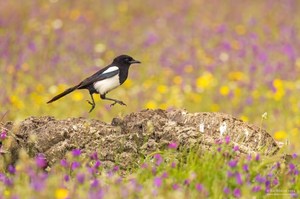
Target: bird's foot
118	102
93	105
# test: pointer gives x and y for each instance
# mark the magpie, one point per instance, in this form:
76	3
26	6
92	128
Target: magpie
104	80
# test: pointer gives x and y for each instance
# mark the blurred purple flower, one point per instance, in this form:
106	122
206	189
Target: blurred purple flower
249	157
97	164
275	181
76	152
8	182
158	159
66	178
236	148
239	180
173	165
115	169
95	183
75	165
232	163
175	186
256	188
172	145
296	172
144	166
164	175
226	190
64	163
154	170
94	156
257	157
187	182
157	181
292	166
219	149
2	177
237	193
229	174
199	187
260	179
11	169
294	155
227	139
80	178
246	167
40	161
268	184
3	135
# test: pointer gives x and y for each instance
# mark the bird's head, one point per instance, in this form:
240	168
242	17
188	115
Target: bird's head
125	60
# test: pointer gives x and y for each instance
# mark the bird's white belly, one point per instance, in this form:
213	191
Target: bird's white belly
106	85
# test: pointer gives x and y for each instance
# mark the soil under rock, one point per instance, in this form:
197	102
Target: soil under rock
136	135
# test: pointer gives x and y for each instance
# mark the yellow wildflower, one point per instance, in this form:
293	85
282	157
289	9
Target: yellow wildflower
224	90
236	76
240	29
77	96
280	135
205	81
61	193
16	102
151	105
162	89
177	80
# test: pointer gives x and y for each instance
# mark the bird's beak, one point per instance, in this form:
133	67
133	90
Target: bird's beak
135	62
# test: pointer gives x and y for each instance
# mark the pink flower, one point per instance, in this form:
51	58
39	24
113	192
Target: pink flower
173	145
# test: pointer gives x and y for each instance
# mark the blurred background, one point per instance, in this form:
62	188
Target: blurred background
200	55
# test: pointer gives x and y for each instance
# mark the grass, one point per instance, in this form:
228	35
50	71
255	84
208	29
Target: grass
220	173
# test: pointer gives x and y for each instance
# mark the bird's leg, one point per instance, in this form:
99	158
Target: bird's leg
114	100
91	103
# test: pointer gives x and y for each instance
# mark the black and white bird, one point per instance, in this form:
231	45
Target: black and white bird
104	80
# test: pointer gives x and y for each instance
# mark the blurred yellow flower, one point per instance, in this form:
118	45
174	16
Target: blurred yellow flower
128	83
74	14
77	96
6	193
236	76
240	29
205	81
280	135
61	193
40	88
16	102
224	90
215	107
162	89
235	45
280	91
244	118
37	99
297	63
177	80
151	105
188	69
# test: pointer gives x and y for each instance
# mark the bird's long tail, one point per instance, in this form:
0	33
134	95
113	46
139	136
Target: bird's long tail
69	90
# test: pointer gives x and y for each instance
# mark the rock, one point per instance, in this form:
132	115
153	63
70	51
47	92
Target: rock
136	135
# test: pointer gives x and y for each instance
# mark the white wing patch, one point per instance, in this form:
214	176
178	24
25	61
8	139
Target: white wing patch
106	85
111	69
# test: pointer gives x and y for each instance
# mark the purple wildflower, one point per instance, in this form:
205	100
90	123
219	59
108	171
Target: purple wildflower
3	135
158	159
237	193
257	157
175	186
157	181
236	148
229	174
164	175
256	188
8	182
76	152
115	169
226	190
296	172
97	164
95	183
292	166
94	156
294	155
232	163
66	178
11	169
275	181
199	187
246	168
249	157
40	161
187	182
75	165
227	139
64	163
80	178
173	145
260	179
173	165
239	180
219	149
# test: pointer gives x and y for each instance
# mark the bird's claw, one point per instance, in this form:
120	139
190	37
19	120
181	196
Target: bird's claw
118	102
90	102
93	105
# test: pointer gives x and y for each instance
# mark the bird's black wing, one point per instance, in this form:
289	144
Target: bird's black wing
100	75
